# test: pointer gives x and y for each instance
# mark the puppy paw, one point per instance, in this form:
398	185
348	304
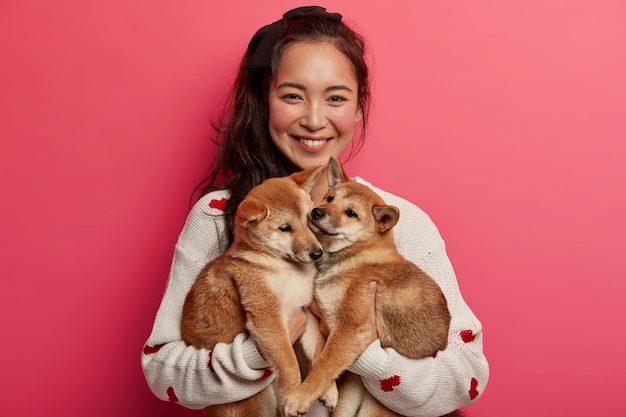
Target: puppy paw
330	397
295	405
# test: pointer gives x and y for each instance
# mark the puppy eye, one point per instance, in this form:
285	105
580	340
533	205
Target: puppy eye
285	228
351	213
330	198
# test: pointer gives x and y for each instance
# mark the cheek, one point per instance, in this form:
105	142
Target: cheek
345	120
280	118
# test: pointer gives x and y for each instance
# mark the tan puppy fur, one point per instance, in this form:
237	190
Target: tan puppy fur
264	276
354	226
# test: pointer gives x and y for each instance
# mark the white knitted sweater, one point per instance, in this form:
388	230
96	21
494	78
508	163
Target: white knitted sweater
196	378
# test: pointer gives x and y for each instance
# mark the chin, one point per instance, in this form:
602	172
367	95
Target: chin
314	161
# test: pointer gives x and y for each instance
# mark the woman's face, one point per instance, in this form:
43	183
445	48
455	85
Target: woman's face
313	104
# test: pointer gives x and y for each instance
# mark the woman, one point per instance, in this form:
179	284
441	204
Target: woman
301	96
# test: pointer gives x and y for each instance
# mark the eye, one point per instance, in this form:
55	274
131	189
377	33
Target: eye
330	198
291	97
285	228
351	213
337	99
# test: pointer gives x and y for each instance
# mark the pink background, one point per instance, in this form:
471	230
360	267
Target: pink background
504	120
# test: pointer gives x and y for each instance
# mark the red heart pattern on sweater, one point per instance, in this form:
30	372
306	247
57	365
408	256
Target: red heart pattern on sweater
148	350
467	336
473	392
208	365
266	374
218	204
388	384
171	395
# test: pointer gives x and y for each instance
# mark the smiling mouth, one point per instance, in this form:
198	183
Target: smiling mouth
311	143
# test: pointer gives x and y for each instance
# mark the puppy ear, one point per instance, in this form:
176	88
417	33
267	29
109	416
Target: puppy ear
336	174
251	210
386	217
306	179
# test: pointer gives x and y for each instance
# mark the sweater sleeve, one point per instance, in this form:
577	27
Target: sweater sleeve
452	378
197	378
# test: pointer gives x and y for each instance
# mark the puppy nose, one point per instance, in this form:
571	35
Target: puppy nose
316	254
317	214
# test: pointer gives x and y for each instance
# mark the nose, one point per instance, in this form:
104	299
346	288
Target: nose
317	214
314	118
316	254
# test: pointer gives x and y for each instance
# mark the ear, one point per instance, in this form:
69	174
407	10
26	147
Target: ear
251	210
306	179
386	217
336	174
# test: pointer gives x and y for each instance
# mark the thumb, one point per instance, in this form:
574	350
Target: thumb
371	289
371	294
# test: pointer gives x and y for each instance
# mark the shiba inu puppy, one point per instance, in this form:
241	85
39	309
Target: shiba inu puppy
265	275
354	226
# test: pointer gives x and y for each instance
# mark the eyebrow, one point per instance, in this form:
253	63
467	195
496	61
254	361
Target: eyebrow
339	87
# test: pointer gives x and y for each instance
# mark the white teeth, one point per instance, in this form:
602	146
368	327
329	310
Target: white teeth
312	143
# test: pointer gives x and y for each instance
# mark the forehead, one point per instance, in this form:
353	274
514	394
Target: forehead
283	195
315	63
354	192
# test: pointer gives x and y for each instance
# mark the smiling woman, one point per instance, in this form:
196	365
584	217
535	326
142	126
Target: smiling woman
300	98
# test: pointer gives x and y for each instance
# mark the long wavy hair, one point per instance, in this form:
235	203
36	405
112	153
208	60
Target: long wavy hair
246	154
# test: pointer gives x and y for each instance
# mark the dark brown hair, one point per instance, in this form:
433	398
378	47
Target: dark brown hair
246	154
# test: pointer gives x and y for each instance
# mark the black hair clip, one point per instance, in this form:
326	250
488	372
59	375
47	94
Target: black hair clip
263	41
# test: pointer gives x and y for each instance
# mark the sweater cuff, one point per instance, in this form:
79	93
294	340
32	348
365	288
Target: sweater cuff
372	361
252	356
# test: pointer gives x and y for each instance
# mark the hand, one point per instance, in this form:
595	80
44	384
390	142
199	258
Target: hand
371	296
296	325
315	309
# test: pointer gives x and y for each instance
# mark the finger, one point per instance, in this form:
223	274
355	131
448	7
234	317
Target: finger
371	287
296	325
371	293
315	308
